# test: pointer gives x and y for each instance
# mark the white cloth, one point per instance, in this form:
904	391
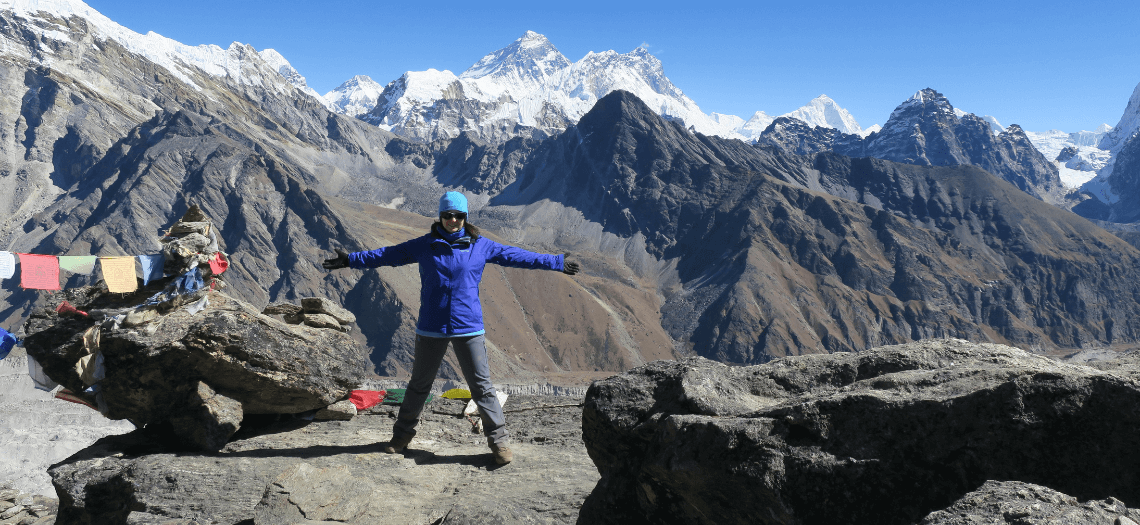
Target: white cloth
42	381
7	265
471	409
198	305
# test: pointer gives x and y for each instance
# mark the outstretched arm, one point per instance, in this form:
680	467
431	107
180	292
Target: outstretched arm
516	257
397	255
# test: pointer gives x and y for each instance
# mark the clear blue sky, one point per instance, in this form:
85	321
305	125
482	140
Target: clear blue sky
1043	65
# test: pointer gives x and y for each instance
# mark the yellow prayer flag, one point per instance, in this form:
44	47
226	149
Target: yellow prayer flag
119	274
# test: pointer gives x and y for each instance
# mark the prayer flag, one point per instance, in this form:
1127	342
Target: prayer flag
68	395
218	263
7	265
39	377
83	264
67	308
7	341
39	272
119	274
365	399
151	265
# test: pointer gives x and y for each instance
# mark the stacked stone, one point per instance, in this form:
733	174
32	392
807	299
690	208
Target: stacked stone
192	242
316	312
17	508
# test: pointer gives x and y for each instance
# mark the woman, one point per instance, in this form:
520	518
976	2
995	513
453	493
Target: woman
451	259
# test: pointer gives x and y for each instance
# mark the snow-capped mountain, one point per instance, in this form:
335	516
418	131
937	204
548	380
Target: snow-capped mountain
755	125
1113	142
239	63
822	111
927	130
528	88
1076	155
355	97
995	126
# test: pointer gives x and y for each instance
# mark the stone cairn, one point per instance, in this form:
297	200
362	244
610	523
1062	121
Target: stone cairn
178	351
316	312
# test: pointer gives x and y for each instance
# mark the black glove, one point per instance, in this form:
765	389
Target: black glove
340	261
569	268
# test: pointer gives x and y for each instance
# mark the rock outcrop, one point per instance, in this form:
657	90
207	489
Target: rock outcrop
884	436
281	469
181	351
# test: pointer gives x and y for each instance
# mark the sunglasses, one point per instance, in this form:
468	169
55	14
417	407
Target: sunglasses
448	215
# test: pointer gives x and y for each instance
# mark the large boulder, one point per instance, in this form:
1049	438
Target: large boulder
884	436
153	369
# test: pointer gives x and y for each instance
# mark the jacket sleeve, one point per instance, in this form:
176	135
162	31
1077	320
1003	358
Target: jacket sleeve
397	255
515	257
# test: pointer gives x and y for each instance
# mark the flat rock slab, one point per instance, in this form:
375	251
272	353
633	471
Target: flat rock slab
335	470
884	436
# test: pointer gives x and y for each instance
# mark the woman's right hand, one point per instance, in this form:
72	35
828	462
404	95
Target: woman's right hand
569	268
340	261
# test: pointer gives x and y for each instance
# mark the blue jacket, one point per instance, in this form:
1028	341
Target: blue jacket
450	276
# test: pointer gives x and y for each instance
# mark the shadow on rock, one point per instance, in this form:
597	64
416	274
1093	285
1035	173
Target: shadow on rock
884	436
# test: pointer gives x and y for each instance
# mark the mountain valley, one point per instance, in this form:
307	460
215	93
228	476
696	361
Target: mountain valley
699	236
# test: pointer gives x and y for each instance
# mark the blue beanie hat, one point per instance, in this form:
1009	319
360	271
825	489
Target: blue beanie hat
453	201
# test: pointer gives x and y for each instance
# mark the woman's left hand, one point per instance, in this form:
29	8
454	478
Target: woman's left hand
569	268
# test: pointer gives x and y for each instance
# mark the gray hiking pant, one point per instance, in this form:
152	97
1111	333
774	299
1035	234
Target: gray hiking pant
472	356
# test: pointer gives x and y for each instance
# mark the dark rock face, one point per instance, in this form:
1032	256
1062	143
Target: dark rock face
883	436
208	419
153	370
1067	153
924	130
1125	182
1029	504
796	136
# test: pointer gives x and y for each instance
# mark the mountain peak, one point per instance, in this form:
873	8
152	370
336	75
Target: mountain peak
531	58
823	111
926	101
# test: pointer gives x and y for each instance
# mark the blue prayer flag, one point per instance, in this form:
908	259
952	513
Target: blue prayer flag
7	341
151	265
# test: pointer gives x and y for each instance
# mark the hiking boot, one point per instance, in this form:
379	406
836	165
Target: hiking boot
398	444
502	454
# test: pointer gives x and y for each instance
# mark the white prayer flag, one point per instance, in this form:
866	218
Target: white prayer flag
7	265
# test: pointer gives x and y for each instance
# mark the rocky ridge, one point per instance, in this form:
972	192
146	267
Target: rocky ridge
925	130
884	436
525	89
852	240
835	254
97	171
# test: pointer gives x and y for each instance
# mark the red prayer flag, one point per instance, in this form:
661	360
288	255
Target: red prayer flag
66	308
218	263
363	399
39	272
